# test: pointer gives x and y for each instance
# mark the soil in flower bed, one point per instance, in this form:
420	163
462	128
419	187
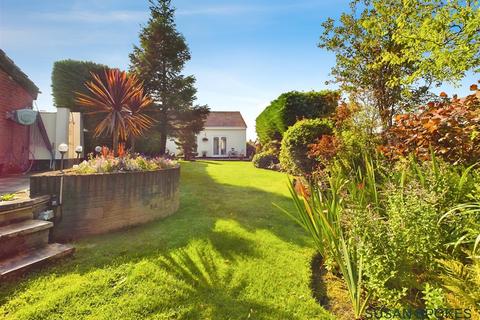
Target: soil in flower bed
329	290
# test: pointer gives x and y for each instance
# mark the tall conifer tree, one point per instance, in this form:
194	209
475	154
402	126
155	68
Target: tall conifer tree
159	61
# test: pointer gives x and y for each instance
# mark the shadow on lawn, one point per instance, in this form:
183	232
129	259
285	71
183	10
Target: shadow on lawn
204	201
205	278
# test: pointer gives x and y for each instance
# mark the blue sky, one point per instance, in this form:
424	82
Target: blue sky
244	52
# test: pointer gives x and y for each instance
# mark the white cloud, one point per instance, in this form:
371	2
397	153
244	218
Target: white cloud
94	16
244	8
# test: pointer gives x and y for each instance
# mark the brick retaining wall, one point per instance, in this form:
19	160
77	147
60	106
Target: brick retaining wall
99	203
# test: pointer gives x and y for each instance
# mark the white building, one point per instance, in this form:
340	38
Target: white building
224	135
61	126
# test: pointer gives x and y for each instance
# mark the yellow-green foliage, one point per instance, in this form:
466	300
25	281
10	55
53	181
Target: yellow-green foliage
463	281
7	197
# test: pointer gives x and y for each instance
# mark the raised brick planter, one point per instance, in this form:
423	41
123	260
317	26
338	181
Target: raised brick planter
99	203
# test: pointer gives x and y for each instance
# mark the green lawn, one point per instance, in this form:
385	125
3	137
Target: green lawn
226	254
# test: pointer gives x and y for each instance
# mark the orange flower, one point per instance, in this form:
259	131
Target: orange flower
105	151
121	150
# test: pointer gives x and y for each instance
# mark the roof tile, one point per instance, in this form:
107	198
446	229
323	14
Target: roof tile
225	119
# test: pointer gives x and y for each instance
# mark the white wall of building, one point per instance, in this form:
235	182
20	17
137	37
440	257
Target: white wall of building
236	139
75	134
37	146
62	126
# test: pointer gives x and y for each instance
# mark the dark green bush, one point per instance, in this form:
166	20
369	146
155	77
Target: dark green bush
251	149
68	77
265	160
293	153
290	107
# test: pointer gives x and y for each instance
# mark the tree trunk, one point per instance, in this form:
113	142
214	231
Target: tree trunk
132	144
115	144
163	142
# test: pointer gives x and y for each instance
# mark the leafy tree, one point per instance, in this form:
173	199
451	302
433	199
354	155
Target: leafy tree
158	61
188	124
290	107
121	100
390	52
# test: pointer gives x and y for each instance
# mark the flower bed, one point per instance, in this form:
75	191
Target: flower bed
105	194
109	164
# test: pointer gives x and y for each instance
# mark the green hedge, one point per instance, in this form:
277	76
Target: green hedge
68	77
293	152
290	107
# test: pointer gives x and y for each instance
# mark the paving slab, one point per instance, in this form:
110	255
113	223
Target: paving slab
14	184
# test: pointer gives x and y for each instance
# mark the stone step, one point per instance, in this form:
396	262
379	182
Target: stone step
15	215
27	260
23	236
22	209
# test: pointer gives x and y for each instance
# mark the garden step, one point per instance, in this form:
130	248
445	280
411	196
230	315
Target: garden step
33	258
23	236
22	209
15	215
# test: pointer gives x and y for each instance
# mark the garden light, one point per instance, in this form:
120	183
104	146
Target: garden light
62	148
78	151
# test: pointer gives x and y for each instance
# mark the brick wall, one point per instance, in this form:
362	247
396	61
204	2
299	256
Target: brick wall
99	203
14	138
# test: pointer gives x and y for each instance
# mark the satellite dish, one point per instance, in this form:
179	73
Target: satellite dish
25	117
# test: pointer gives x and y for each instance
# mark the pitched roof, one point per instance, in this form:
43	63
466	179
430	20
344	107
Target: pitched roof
7	65
225	119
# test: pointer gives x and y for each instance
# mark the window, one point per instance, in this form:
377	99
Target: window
215	146
219	146
223	146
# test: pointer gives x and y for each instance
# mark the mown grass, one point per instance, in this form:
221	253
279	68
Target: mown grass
226	254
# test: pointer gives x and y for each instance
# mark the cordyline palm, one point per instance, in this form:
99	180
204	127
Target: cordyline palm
121	98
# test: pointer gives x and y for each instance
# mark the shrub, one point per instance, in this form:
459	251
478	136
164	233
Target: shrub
265	160
69	77
451	128
323	150
399	245
251	149
294	149
290	107
273	145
